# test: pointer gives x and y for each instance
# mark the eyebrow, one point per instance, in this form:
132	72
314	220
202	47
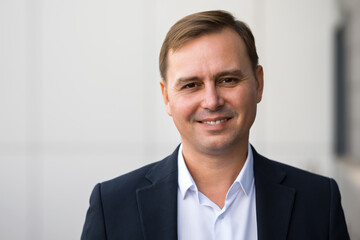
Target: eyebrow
185	80
234	72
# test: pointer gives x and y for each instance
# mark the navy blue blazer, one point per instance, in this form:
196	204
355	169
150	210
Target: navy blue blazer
290	204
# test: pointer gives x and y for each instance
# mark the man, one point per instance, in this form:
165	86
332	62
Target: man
214	185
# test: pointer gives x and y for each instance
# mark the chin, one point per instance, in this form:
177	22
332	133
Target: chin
217	147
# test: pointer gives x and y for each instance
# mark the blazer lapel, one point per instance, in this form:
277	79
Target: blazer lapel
158	201
274	201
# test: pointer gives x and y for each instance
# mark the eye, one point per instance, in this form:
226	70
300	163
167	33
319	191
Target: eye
228	80
190	85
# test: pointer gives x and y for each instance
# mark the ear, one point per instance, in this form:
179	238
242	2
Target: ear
259	83
165	96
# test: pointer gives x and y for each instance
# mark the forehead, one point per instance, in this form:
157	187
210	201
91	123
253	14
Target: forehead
208	54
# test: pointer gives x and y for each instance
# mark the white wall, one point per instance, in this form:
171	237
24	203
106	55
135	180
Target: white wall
296	48
80	101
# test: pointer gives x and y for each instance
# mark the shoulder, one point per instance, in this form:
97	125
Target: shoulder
296	174
129	180
141	177
304	182
317	202
273	167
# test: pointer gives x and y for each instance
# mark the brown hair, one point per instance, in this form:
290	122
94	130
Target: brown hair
199	24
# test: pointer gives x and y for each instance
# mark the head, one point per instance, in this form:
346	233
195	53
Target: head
211	82
198	24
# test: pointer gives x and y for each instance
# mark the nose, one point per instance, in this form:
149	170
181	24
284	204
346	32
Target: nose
212	99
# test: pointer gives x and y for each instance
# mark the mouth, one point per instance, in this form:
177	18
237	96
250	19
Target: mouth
214	122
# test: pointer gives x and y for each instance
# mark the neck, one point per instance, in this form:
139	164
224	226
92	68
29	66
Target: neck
214	174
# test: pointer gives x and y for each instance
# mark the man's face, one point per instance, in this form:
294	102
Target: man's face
211	92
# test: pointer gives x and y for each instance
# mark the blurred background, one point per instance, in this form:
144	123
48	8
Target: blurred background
80	101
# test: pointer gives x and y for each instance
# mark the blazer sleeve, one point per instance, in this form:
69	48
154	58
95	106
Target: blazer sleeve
337	228
94	227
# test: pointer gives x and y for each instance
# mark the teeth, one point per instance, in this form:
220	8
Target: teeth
215	122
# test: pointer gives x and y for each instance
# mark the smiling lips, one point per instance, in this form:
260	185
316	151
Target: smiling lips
214	122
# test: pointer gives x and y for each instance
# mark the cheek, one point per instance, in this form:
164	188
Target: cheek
241	97
183	106
243	101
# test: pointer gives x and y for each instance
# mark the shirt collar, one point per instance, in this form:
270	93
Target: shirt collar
245	177
185	181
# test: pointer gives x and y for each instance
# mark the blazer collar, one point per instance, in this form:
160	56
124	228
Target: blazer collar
274	201
158	201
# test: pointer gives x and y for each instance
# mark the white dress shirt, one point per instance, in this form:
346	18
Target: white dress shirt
201	219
